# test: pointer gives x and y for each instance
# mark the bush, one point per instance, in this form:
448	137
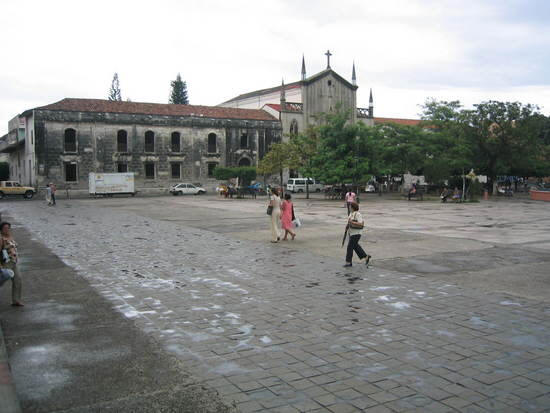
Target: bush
246	174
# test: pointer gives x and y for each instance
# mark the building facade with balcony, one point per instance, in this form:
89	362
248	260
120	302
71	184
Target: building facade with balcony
161	143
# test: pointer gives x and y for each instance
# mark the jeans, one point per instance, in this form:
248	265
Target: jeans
353	245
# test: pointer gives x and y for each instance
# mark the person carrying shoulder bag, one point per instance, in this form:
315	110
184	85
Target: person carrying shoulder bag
355	229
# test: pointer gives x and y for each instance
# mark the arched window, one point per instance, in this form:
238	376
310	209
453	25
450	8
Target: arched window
149	141
244	141
212	143
244	162
293	127
69	143
122	141
176	142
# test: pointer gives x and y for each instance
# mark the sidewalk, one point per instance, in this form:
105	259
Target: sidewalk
70	351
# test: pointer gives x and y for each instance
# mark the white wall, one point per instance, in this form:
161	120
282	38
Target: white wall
293	95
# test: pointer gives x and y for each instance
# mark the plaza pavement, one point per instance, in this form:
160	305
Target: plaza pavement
452	316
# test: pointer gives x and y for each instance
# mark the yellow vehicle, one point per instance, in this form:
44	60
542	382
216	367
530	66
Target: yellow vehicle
13	188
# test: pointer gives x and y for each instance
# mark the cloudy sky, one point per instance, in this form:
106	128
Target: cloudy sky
407	51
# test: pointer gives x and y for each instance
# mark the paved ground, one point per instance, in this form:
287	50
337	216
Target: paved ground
452	316
69	351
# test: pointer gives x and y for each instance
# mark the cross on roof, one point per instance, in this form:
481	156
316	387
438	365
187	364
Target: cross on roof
328	54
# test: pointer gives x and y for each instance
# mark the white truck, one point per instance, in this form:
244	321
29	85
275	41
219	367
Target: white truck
109	184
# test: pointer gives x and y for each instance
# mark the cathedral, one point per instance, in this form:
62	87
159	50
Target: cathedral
163	144
297	104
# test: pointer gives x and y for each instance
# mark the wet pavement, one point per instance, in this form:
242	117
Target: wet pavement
69	351
272	328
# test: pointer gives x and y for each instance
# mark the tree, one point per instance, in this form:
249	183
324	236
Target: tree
503	136
341	151
114	91
303	148
178	95
279	157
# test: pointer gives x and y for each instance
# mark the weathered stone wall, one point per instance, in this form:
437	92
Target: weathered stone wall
96	135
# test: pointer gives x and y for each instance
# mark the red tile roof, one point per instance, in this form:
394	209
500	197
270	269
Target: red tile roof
108	106
406	122
275	106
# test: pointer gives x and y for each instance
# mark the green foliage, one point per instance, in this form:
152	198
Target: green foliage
495	137
4	171
114	91
246	174
279	157
222	173
178	94
341	150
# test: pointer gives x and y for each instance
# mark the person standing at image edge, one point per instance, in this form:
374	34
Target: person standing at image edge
275	203
350	197
9	260
355	229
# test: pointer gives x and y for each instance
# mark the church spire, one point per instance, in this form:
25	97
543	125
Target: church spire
353	76
303	68
371	105
283	95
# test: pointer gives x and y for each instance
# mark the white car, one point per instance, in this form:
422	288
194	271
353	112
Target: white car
187	189
370	189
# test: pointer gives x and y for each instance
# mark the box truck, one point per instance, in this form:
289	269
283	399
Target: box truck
109	184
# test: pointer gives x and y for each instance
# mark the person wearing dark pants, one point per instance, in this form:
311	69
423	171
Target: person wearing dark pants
355	228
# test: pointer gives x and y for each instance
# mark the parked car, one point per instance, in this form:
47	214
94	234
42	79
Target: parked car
187	189
369	189
299	185
13	188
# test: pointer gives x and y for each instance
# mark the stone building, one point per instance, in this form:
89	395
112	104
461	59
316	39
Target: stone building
162	144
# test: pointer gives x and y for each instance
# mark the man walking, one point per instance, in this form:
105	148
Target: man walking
53	189
355	228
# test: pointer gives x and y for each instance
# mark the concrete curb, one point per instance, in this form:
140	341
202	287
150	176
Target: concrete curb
8	398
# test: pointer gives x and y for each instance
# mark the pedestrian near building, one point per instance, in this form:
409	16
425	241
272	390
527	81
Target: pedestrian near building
287	216
53	189
356	224
9	261
350	197
48	195
275	204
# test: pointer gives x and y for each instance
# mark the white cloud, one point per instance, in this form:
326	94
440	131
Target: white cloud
405	50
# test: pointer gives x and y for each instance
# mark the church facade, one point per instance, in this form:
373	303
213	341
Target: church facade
163	144
298	104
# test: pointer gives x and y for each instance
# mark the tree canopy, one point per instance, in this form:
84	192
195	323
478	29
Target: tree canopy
178	93
114	91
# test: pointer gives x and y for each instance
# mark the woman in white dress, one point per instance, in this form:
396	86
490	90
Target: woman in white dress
275	203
